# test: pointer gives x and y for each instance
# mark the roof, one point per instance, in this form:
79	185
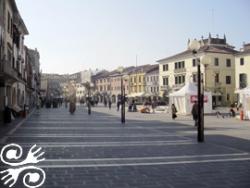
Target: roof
206	48
245	51
154	69
140	69
100	74
210	45
18	19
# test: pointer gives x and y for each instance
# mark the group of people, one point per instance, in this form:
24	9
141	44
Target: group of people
194	112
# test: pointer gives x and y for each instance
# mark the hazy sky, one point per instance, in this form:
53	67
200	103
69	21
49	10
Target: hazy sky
73	35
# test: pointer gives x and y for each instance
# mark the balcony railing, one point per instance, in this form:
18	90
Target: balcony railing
182	70
178	86
164	88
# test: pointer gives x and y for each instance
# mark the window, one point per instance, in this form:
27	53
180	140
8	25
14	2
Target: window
180	79
243	80
183	64
139	79
179	65
194	77
165	81
228	79
228	62
176	80
165	67
216	61
9	23
176	65
228	97
242	61
216	78
219	98
194	63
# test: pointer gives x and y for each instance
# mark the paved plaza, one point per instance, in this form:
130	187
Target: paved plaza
150	150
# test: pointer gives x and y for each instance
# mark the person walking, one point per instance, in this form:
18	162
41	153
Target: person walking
110	104
195	113
72	105
174	111
154	104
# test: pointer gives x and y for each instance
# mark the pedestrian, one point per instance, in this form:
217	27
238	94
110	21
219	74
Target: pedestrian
154	104
110	104
118	105
105	102
195	113
72	104
174	111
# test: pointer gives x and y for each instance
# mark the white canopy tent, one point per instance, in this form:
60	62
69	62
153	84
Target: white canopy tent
185	98
244	99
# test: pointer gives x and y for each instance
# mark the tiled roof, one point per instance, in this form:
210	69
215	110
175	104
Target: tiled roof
153	69
245	52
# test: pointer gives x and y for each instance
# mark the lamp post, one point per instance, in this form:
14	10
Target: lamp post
122	101
195	46
122	96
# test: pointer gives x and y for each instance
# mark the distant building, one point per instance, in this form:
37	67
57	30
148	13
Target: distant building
115	77
137	82
218	70
34	77
152	82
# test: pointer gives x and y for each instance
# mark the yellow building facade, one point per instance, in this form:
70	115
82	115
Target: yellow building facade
137	81
217	68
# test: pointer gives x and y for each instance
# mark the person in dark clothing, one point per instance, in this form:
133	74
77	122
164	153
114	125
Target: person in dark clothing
174	111
195	113
232	112
118	105
110	103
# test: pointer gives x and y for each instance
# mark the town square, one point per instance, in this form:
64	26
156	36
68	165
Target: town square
128	94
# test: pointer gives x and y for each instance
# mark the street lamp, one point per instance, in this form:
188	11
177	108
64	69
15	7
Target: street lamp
195	46
120	70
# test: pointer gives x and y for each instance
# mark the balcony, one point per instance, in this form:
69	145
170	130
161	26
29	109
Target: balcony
7	72
182	70
164	88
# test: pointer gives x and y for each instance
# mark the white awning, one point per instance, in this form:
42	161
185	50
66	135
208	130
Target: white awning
136	94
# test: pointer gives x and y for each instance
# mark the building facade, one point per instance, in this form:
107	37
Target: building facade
137	81
152	82
117	78
242	67
217	67
12	68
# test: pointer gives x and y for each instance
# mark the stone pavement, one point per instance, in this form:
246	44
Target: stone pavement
150	150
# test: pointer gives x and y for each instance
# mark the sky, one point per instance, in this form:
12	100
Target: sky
103	34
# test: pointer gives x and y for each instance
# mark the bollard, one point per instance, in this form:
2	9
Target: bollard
241	115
